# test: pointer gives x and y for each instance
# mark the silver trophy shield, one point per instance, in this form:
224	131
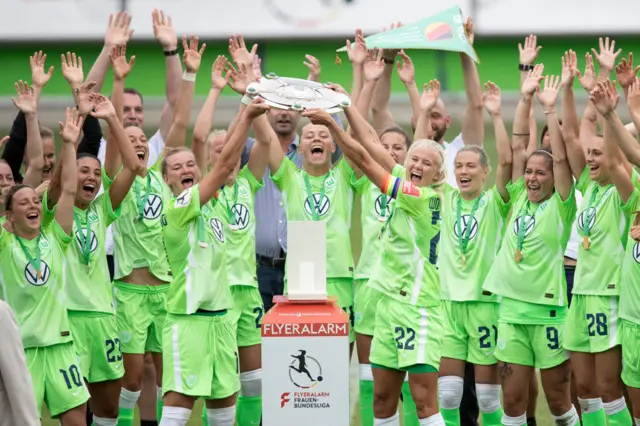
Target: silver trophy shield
297	94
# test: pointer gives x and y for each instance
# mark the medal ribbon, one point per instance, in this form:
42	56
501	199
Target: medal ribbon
588	214
35	263
311	198
522	229
463	240
141	202
386	222
383	204
85	239
230	213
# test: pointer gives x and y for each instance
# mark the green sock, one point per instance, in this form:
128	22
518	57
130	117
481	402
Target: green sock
158	405
205	419
451	417
492	419
366	402
125	416
595	418
621	418
409	407
248	410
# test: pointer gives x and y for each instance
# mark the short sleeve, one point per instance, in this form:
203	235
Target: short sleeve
360	184
106	180
254	184
58	234
47	214
183	208
414	200
583	181
515	189
399	171
344	170
283	175
568	207
503	207
633	203
106	208
635	178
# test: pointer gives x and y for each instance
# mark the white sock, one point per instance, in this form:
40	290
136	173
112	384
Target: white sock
514	421
221	416
450	392
637	422
590	405
251	383
128	398
570	418
365	372
101	421
435	420
175	416
488	397
390	421
614	407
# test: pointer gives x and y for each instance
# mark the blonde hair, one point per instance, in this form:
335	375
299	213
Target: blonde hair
442	173
215	133
168	152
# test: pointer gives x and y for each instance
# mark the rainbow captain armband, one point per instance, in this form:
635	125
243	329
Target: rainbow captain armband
393	185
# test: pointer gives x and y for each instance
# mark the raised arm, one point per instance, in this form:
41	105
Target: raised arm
230	154
69	131
633	102
626	142
570	124
521	121
492	103
406	72
373	69
204	122
626	73
382	118
259	154
589	122
27	102
528	55
314	66
563	179
472	120
428	101
357	53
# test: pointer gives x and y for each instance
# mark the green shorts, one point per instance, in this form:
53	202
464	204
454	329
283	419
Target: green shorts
470	331
57	378
593	324
538	346
200	356
630	341
343	289
406	336
95	338
246	315
366	301
140	314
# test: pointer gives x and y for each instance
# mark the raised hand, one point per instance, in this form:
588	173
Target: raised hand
192	56
406	70
256	108
492	98
103	108
219	81
588	79
72	69
42	188
27	101
357	51
83	97
549	93
633	97
257	67
468	28
4	140
531	84
39	78
529	53
430	95
337	88
607	56
625	73
163	30
118	56
569	68
319	117
604	97
314	67
238	79
70	129
374	65
239	52
118	31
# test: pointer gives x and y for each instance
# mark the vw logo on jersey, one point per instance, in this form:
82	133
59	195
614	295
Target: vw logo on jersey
636	252
80	239
31	274
153	208
591	216
184	198
241	213
93	217
44	244
465	223
321	206
530	221
218	229
378	206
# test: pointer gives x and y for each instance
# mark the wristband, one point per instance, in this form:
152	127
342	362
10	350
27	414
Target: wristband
522	134
525	67
171	52
246	99
189	76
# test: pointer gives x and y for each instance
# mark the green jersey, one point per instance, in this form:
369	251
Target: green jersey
376	209
471	237
195	241
235	207
328	198
36	293
530	264
407	269
603	227
88	283
630	284
138	231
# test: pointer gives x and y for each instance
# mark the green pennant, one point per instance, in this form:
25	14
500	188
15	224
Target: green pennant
442	31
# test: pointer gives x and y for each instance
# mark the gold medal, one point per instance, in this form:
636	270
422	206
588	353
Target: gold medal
586	243
518	256
203	244
382	219
39	275
464	261
233	227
